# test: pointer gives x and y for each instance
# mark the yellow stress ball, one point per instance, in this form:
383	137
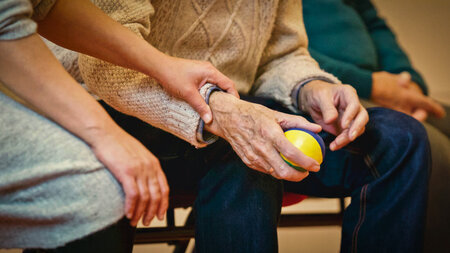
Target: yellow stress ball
310	143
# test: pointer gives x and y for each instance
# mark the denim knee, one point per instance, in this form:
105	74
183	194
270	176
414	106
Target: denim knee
237	210
392	136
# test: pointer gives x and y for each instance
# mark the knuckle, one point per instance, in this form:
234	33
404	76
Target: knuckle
190	91
349	87
165	192
289	153
130	169
153	161
283	173
133	194
208	65
145	196
156	197
145	163
252	157
261	149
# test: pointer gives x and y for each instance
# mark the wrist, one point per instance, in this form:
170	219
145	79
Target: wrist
154	63
303	93
222	105
377	85
96	131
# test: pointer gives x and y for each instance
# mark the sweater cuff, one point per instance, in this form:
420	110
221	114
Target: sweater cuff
204	137
41	8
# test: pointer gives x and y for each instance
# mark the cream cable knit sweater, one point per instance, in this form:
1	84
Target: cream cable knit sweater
260	45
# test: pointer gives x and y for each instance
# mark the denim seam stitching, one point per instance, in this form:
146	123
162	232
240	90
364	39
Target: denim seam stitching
362	216
372	167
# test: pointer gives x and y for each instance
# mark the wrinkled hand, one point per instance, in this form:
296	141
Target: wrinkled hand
398	92
336	108
139	172
183	78
256	135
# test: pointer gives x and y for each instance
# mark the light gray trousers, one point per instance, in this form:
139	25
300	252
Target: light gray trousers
53	190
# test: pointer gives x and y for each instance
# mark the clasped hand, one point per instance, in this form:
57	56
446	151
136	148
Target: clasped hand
399	92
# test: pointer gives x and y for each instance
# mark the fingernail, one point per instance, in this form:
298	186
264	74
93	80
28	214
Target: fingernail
207	118
316	168
332	146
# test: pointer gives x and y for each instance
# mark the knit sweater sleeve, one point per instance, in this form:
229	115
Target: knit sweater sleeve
132	92
286	60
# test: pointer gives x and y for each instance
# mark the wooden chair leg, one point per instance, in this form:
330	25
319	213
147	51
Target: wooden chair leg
181	246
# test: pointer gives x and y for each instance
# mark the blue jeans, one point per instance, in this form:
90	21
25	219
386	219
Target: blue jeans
385	171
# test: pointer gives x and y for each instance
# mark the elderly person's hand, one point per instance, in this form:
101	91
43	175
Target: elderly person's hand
256	134
398	92
336	108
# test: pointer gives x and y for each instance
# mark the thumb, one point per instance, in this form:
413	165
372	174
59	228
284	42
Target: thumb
131	194
197	102
224	83
420	115
404	79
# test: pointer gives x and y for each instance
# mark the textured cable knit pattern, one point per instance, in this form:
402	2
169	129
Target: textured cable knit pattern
260	45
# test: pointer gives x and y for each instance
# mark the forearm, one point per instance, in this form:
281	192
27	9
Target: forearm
49	88
82	27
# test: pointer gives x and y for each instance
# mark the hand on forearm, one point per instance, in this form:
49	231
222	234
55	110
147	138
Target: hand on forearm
29	69
82	27
256	135
336	108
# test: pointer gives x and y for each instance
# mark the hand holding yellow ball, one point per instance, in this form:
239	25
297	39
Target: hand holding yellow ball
309	143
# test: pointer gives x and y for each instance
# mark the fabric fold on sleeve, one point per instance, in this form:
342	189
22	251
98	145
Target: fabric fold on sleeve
15	19
286	61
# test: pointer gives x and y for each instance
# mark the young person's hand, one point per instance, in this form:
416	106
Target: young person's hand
137	169
336	108
183	78
34	75
93	33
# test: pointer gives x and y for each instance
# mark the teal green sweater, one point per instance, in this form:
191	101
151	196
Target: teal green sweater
349	40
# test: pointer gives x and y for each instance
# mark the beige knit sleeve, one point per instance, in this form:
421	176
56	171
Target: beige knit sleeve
132	92
286	61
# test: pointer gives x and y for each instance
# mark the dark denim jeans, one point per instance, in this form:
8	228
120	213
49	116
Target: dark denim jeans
385	171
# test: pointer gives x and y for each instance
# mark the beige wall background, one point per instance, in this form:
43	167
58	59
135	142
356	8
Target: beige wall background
423	30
